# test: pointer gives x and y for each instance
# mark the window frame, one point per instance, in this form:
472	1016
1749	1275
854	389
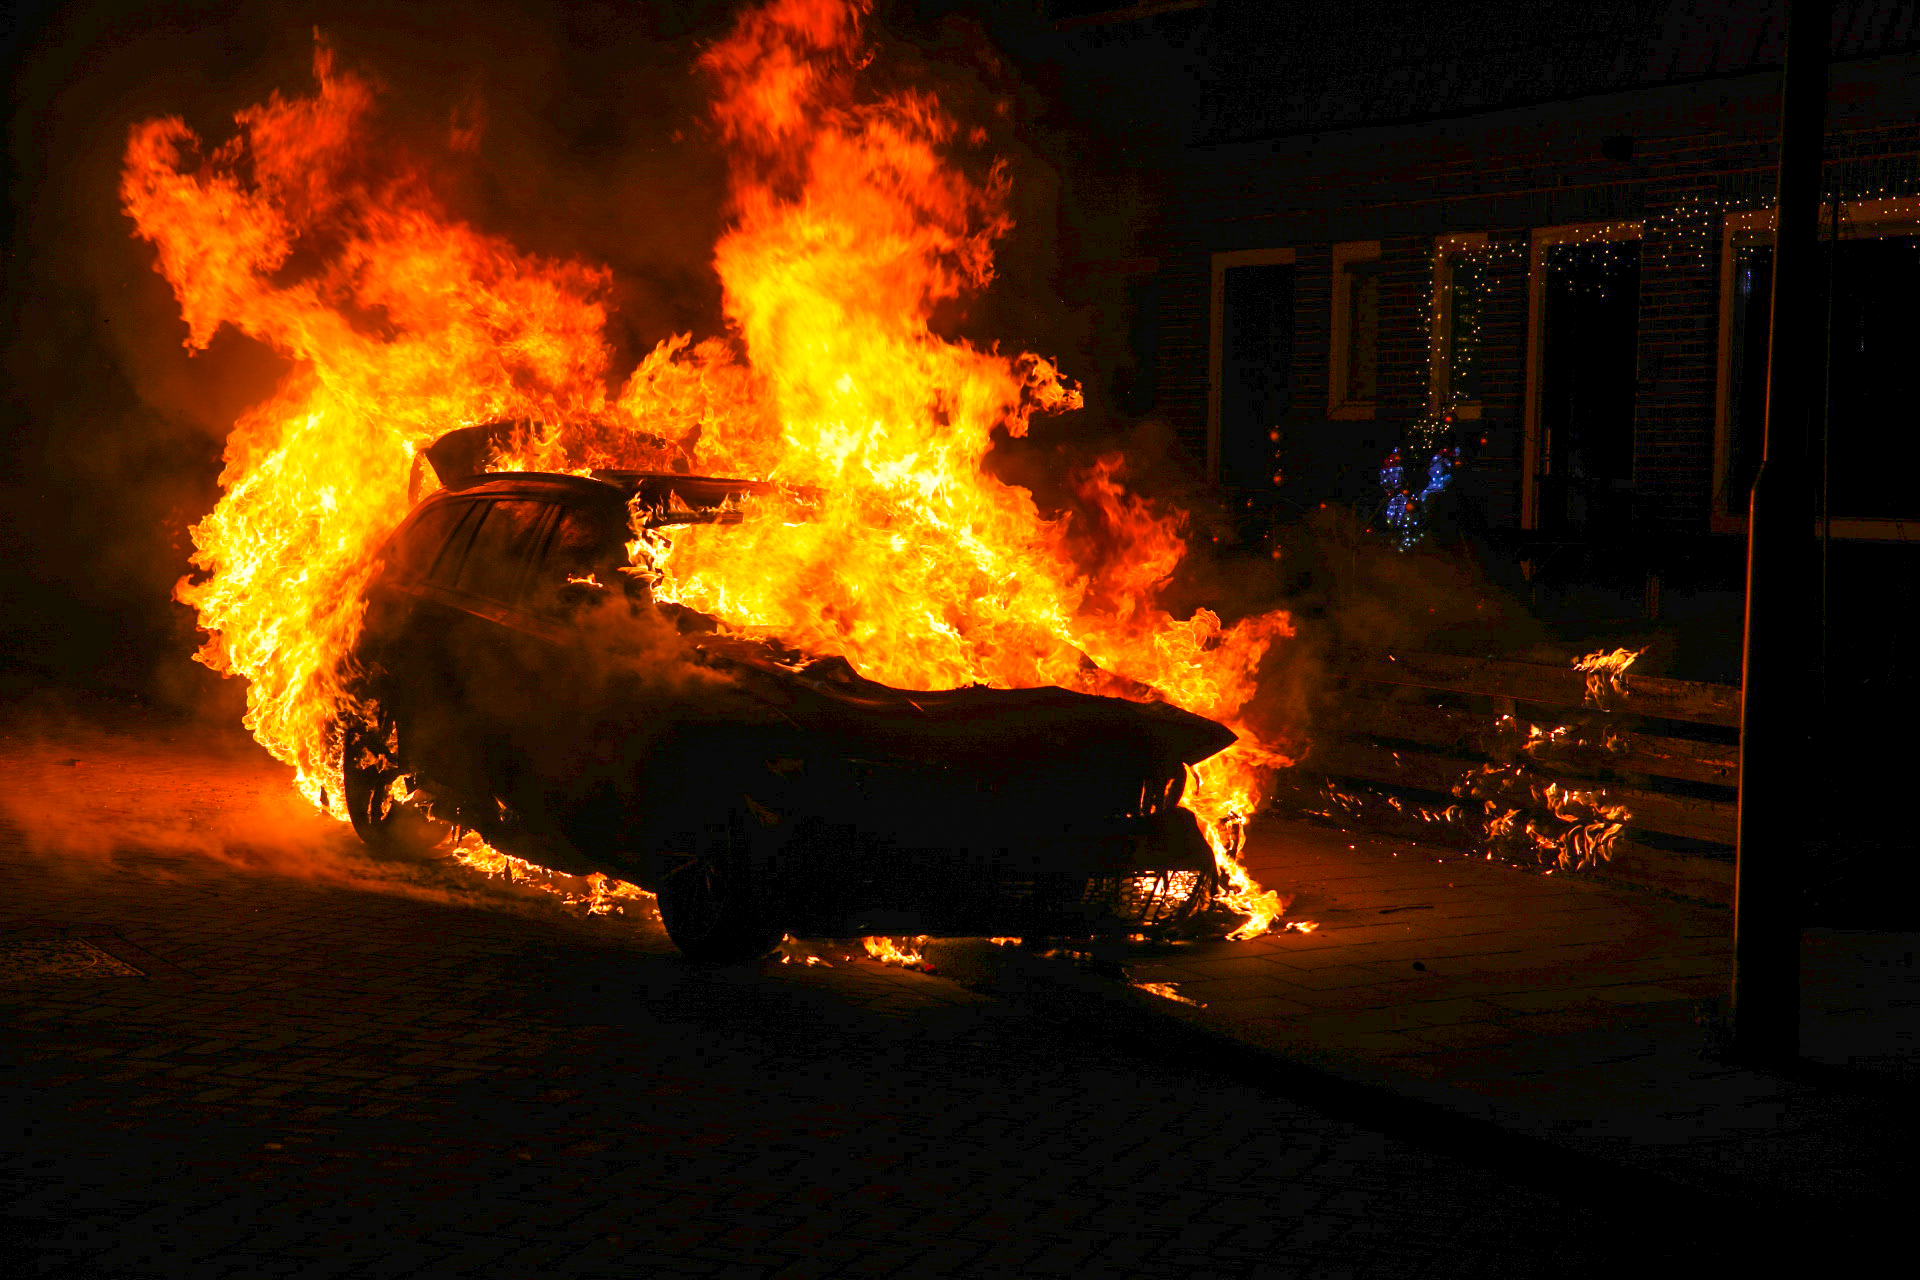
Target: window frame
1339	352
1753	227
1216	333
1440	336
1540	240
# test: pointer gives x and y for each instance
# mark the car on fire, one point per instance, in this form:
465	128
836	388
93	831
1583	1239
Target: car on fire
517	678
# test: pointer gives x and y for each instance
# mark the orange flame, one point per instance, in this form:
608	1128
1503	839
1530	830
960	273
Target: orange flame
402	324
596	893
853	218
902	952
1606	670
1592	821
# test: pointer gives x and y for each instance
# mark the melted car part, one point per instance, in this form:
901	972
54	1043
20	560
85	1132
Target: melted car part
461	457
661	498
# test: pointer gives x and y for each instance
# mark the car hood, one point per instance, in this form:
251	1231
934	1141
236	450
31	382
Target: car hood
1007	727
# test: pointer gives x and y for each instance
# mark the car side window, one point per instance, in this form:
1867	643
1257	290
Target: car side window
582	544
438	534
501	552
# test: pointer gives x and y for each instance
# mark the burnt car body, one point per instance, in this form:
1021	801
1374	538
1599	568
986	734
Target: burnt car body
517	679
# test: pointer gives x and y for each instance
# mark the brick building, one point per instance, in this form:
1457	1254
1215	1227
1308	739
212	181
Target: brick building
1549	221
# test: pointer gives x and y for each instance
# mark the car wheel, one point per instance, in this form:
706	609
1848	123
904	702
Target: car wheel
710	903
369	768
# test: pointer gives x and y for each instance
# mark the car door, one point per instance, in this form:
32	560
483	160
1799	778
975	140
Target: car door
457	654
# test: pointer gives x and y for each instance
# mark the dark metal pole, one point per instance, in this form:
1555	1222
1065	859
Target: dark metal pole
1779	705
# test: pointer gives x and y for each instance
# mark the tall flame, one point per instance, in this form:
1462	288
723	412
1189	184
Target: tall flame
853	218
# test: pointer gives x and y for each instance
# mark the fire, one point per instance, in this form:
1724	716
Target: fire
1589	821
1512	809
596	893
400	323
1606	671
853	218
793	951
904	952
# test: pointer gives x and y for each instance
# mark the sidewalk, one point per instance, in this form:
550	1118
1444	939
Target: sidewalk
1567	1010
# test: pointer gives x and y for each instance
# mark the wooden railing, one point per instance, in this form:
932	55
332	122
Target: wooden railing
1436	731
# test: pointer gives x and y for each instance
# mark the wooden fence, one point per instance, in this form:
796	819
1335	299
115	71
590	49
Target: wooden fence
1640	768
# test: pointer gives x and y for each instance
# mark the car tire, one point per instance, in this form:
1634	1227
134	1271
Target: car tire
713	909
369	766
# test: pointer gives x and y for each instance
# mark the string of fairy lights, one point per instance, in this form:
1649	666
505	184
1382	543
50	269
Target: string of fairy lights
1462	277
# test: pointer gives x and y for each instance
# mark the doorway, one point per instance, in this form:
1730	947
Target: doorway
1589	301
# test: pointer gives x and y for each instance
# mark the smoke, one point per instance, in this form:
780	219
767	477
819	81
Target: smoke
90	791
582	713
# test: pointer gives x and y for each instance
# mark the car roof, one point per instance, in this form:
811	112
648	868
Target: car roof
544	485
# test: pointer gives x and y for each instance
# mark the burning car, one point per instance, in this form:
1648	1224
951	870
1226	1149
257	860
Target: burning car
518	679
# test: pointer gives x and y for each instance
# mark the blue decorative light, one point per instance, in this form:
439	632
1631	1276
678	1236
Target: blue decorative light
1391	472
1405	510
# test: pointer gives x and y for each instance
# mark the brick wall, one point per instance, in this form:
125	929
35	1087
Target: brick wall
1696	148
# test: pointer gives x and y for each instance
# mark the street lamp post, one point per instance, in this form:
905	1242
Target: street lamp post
1779	705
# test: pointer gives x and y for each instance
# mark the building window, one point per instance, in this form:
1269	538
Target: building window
1582	340
1875	274
1353	383
1252	364
1460	288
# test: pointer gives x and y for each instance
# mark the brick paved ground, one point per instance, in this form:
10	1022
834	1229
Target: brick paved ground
1573	1011
328	1068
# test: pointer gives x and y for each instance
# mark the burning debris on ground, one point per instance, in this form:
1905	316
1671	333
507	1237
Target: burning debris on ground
1591	759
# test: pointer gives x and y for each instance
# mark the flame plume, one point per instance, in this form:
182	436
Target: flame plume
402	324
853	218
